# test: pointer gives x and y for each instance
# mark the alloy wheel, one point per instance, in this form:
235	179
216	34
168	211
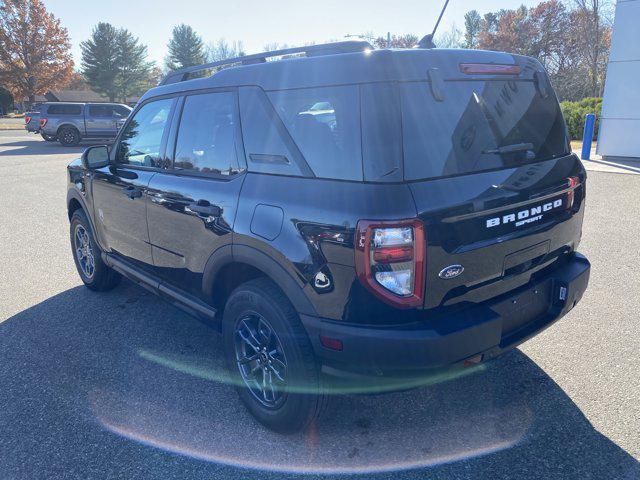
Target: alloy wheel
84	251
261	360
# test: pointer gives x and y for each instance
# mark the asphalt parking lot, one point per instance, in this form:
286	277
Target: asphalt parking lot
123	385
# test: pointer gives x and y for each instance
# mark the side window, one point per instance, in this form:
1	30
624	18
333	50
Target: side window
325	124
207	136
64	109
120	111
102	111
265	141
142	138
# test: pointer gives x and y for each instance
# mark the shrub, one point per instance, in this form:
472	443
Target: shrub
574	115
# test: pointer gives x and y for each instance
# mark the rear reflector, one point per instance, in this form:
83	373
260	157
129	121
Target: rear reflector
469	362
489	69
331	343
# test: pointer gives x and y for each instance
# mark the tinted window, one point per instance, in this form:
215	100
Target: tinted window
64	110
463	133
325	124
265	138
142	138
206	139
105	111
120	111
381	133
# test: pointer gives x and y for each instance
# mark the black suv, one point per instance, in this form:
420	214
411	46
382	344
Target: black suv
339	212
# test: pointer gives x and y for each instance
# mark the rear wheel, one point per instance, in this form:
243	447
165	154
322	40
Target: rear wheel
69	137
270	358
94	273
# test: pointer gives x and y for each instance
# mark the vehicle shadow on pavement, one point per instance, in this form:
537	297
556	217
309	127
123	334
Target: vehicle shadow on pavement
40	147
121	384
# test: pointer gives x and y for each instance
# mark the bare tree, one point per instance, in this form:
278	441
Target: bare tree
221	50
592	19
452	38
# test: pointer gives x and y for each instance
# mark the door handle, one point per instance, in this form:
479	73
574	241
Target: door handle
132	192
204	208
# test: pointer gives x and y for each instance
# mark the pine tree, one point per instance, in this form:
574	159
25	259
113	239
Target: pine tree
472	28
185	48
99	60
115	64
132	66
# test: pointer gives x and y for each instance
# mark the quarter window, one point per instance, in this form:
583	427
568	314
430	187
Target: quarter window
207	137
141	140
325	124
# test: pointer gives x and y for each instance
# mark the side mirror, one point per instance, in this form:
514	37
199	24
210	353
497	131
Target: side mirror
95	157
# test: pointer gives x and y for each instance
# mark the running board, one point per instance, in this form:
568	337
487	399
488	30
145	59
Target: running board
175	296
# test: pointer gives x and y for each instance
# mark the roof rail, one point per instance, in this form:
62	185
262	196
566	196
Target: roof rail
335	48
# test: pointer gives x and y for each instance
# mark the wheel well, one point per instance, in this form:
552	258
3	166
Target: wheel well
63	127
229	278
73	206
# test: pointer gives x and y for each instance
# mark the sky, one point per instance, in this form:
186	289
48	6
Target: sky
258	23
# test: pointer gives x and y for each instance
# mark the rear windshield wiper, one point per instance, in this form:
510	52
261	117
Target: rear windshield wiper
516	147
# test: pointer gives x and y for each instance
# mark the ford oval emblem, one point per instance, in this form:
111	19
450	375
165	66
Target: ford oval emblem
452	271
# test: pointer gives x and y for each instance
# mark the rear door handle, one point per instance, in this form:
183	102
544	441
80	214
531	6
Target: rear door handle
203	207
132	192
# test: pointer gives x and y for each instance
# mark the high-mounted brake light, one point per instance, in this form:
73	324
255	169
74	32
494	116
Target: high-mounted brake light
572	183
390	260
43	122
489	69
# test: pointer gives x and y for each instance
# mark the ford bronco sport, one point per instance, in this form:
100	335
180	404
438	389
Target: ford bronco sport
342	212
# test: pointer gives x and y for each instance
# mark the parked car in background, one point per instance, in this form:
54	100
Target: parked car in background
70	123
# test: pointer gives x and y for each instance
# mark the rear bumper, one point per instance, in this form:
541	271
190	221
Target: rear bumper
487	330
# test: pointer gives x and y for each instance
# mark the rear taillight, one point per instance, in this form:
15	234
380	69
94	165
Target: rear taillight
390	260
27	120
572	183
489	69
43	122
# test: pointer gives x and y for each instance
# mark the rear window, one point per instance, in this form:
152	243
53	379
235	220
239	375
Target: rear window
389	132
479	125
64	110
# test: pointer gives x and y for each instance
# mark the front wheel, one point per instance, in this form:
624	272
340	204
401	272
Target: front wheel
95	274
270	358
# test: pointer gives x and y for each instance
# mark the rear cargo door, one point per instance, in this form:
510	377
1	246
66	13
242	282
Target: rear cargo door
493	180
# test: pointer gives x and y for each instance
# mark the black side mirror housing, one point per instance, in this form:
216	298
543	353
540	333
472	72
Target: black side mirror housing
95	157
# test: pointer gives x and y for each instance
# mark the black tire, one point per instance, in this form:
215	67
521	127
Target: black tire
100	277
69	137
49	138
302	400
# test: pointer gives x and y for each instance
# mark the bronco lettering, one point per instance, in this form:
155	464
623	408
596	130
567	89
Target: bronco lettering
524	217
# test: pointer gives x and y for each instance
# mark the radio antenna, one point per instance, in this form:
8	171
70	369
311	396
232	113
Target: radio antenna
427	40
